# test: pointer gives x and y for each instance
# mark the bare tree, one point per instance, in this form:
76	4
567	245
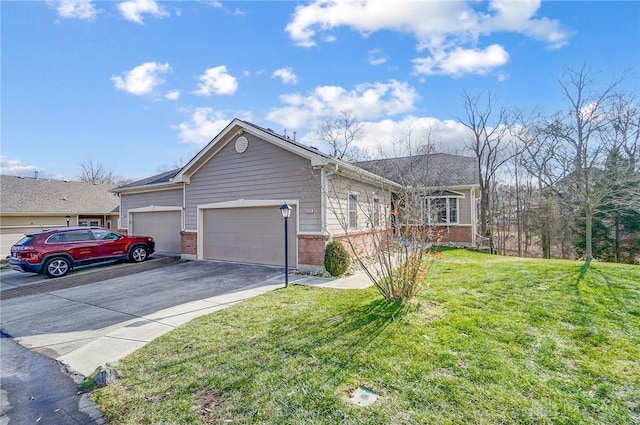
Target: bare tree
176	164
97	173
339	135
568	151
488	142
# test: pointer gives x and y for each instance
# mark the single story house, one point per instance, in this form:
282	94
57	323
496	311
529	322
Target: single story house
224	203
444	185
29	204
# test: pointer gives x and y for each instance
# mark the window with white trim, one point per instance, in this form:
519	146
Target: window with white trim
353	211
88	223
441	210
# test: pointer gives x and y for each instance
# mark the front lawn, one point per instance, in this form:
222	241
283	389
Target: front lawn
491	340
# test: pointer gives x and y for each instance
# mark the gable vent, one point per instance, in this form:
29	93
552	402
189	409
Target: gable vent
241	144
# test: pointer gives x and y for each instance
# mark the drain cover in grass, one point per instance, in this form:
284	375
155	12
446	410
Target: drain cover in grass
363	397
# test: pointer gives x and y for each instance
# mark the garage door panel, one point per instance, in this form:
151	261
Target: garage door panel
164	226
248	234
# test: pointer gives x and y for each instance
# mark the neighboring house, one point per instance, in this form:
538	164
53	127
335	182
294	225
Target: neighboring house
32	204
224	204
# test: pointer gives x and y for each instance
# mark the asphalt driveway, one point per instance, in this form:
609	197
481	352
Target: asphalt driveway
59	306
81	317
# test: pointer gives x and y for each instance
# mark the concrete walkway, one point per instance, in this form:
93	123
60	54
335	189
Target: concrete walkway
85	351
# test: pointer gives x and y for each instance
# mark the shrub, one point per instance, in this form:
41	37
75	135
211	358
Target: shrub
336	258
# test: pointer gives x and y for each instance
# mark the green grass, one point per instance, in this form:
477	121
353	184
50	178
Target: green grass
489	340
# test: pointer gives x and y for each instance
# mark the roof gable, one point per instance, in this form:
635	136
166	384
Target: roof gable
238	127
41	196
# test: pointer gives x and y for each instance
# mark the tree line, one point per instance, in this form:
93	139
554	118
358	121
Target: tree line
564	184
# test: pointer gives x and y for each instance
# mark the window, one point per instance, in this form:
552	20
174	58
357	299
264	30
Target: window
353	210
441	210
104	235
376	212
89	223
57	238
78	236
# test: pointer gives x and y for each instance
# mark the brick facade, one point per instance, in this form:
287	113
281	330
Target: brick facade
311	249
362	241
189	243
460	234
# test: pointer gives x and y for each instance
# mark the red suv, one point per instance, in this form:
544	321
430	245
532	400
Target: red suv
56	251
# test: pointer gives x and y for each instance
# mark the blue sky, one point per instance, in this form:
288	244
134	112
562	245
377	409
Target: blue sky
141	85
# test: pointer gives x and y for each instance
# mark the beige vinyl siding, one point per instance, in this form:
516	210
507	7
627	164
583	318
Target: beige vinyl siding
13	228
465	207
338	190
36	221
263	172
166	198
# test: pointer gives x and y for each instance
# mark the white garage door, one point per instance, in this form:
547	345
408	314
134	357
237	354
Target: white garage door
248	234
163	226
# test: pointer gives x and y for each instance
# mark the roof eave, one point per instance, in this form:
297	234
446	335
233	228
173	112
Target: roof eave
148	187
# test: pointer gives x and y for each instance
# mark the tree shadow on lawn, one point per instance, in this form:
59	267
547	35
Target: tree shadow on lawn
351	332
332	345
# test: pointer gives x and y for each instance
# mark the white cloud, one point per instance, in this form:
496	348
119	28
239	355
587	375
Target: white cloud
142	79
449	30
78	9
376	57
286	75
205	124
463	61
213	3
14	167
172	95
409	134
518	16
133	10
366	101
217	81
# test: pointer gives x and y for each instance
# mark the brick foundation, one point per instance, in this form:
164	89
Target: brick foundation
189	243
458	234
311	249
362	242
445	234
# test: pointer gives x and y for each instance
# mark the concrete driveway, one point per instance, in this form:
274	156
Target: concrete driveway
84	324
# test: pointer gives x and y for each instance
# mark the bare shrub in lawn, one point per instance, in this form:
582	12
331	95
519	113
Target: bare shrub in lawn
382	224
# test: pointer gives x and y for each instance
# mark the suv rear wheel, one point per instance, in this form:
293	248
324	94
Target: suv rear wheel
138	254
57	267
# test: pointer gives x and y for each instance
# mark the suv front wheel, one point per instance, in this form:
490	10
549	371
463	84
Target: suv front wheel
138	254
57	267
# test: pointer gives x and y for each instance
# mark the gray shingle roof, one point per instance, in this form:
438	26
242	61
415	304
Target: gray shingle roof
30	195
164	177
431	170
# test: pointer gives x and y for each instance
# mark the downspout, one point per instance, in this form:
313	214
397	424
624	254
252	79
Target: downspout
474	217
324	175
184	206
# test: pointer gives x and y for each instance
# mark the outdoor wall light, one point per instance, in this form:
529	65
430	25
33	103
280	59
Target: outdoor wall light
67	218
285	210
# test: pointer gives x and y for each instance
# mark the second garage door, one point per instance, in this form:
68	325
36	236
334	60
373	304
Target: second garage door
248	234
163	226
